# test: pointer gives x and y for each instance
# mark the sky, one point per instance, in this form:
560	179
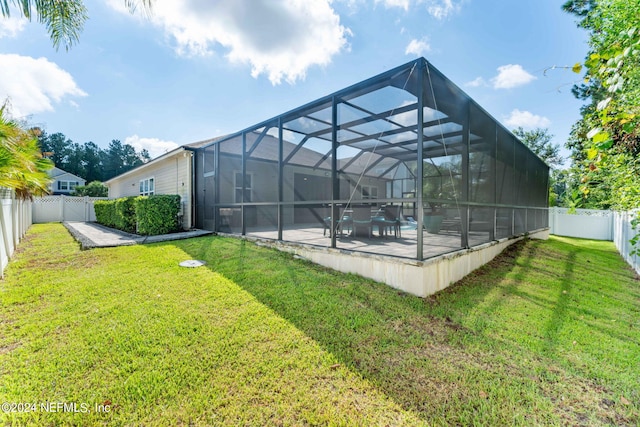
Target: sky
195	69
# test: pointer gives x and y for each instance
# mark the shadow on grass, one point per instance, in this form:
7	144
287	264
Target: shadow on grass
394	340
559	313
525	256
412	349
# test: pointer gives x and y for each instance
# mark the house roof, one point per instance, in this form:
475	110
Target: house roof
186	147
293	154
57	173
149	163
204	142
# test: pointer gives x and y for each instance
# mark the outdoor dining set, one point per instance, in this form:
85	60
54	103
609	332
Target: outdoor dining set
362	220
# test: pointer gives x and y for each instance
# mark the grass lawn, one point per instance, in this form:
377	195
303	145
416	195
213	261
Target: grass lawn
546	334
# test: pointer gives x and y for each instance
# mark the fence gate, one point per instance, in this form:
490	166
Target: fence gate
64	208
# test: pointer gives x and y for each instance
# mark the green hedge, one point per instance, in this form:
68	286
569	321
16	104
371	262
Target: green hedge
152	214
105	212
125	214
157	214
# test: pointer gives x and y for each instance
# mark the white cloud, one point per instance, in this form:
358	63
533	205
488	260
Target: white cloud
353	5
526	119
442	9
11	27
156	147
287	135
418	47
33	85
439	9
402	4
477	82
278	39
510	76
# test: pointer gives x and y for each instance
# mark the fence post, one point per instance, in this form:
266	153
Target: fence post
6	247
14	222
610	218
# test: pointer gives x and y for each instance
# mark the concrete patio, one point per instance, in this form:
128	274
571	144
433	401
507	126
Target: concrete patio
93	235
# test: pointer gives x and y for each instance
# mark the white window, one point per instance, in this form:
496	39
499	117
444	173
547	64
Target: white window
369	192
147	187
248	188
67	185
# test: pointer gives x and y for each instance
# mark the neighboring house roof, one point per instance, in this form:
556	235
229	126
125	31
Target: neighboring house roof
58	174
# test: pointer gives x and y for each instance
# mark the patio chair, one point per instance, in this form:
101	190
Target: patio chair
361	218
392	219
343	224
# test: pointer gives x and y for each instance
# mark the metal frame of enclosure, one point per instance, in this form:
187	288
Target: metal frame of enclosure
436	171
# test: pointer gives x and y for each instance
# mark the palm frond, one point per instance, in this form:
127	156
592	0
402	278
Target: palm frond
22	167
24	6
64	20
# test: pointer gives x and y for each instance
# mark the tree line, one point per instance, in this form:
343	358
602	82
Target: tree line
88	160
605	142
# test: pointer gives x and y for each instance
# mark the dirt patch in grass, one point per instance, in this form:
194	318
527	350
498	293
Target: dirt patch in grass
8	348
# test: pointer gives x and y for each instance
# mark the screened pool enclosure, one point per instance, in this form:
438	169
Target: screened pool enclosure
403	164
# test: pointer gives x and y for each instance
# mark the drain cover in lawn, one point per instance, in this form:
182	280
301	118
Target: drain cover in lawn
192	263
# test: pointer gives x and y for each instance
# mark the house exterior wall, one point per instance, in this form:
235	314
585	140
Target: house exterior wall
264	188
60	175
171	175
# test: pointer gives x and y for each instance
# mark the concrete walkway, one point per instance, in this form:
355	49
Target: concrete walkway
93	235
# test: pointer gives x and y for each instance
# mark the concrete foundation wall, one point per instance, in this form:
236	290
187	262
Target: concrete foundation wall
420	278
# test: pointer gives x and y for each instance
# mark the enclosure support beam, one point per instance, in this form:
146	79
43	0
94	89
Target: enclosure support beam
464	217
334	170
244	183
420	161
280	179
216	195
493	180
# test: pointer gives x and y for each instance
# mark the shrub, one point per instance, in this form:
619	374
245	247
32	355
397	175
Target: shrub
93	189
105	212
157	214
125	214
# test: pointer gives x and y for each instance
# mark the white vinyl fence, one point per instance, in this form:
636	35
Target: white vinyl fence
15	219
64	208
585	223
598	225
623	232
